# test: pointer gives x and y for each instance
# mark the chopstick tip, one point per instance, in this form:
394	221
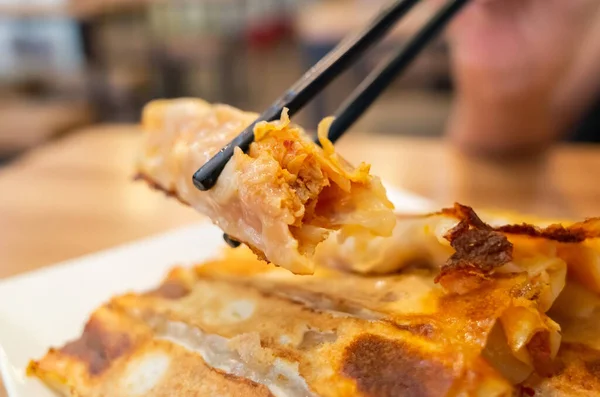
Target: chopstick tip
203	183
231	242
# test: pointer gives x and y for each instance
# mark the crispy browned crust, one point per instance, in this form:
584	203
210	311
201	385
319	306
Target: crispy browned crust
113	344
387	368
174	286
577	374
368	349
575	233
539	348
572	234
584	355
465	214
171	289
593	368
422	330
98	347
479	249
482	249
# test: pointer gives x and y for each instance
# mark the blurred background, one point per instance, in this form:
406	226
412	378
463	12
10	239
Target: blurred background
69	63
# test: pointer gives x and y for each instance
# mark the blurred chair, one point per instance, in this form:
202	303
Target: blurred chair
26	122
41	78
202	47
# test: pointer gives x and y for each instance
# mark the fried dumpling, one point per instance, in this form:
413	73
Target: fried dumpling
331	334
468	251
282	198
556	250
257	327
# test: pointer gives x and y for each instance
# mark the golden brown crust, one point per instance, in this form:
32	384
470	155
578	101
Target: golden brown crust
424	330
574	233
175	286
101	364
98	346
593	368
387	368
464	214
171	289
479	250
577	375
483	250
543	362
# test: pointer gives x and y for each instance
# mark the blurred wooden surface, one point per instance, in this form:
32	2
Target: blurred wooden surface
75	195
25	123
331	21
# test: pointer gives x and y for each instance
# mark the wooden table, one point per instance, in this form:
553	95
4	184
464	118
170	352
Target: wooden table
75	195
25	123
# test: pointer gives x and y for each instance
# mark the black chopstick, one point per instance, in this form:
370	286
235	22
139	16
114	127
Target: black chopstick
309	85
230	241
378	80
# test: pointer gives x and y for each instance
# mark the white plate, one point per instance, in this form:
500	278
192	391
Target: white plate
49	307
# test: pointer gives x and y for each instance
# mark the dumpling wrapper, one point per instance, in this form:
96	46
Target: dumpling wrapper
282	198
